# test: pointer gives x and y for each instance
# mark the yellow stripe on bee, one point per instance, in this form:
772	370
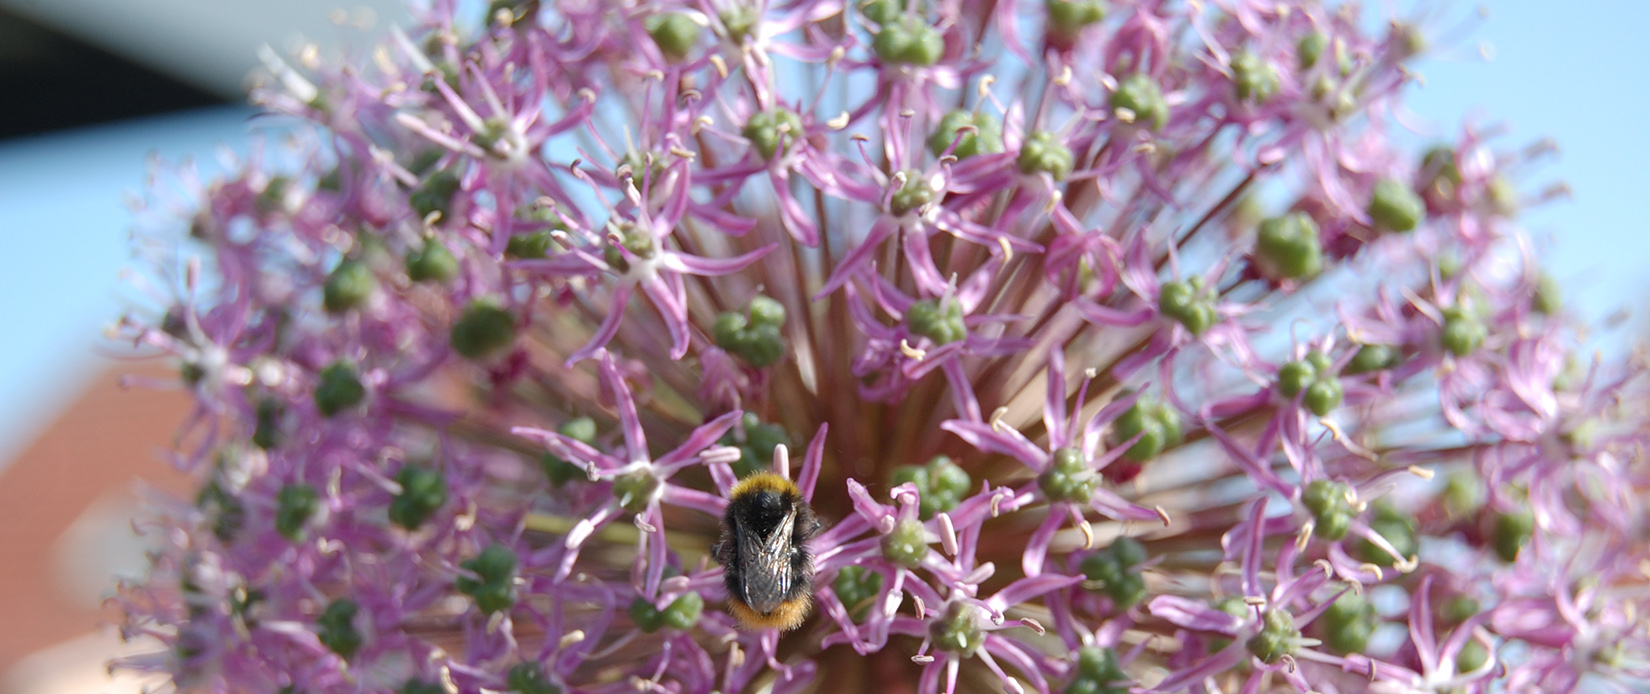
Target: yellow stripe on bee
789	615
764	482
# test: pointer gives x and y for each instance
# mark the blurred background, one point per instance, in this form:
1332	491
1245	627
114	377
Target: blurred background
90	90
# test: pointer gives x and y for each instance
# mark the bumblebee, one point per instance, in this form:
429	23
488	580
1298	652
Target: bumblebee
764	553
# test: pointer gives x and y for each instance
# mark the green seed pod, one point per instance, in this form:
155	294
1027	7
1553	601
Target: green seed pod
1139	100
765	134
1397	528
674	33
1373	358
909	41
1473	655
336	628
1295	376
906	544
959	631
295	504
432	263
529	246
1511	532
338	388
739	21
267	433
635	490
1331	512
925	318
646	617
856	587
528	678
1043	153
911	196
766	311
1157	424
1068	478
1323	396
1185	303
1462	334
987	137
1253	79
484	331
1068	18
349	287
436	195
1288	247
1395	207
1278	637
423	490
1348	624
683	612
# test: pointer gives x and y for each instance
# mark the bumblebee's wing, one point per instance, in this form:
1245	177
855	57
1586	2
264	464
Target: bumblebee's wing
766	564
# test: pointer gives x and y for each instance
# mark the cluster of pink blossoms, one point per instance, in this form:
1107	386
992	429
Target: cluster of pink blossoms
1118	344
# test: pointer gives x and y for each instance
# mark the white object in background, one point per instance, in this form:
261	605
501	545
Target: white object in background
209	43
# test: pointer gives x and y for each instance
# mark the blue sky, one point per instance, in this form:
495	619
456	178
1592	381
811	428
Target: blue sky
1573	72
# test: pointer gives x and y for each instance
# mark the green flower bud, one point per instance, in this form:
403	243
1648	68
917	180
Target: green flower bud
432	263
882	11
909	41
529	246
646	617
638	241
674	33
348	287
528	678
485	330
635	490
295	504
1323	396
1253	79
1043	153
267	433
1310	48
765	134
1186	303
1440	175
1139	100
926	319
1473	655
1157	424
1548	297
729	330
1397	528
1278	637
1068	18
941	484
1457	609
1099	664
1395	207
1295	376
739	20
1288	247
1511	532
987	137
227	512
336	628
423	490
1068	477
960	631
436	195
1114	571
906	544
756	448
1373	358
767	311
856	587
1332	513
338	388
494	590
418	686
683	612
1463	334
912	194
1348	624
273	195
560	471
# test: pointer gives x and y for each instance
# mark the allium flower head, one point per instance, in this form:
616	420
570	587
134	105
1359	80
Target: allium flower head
1118	345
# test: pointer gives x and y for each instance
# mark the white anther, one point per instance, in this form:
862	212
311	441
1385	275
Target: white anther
997	424
912	352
